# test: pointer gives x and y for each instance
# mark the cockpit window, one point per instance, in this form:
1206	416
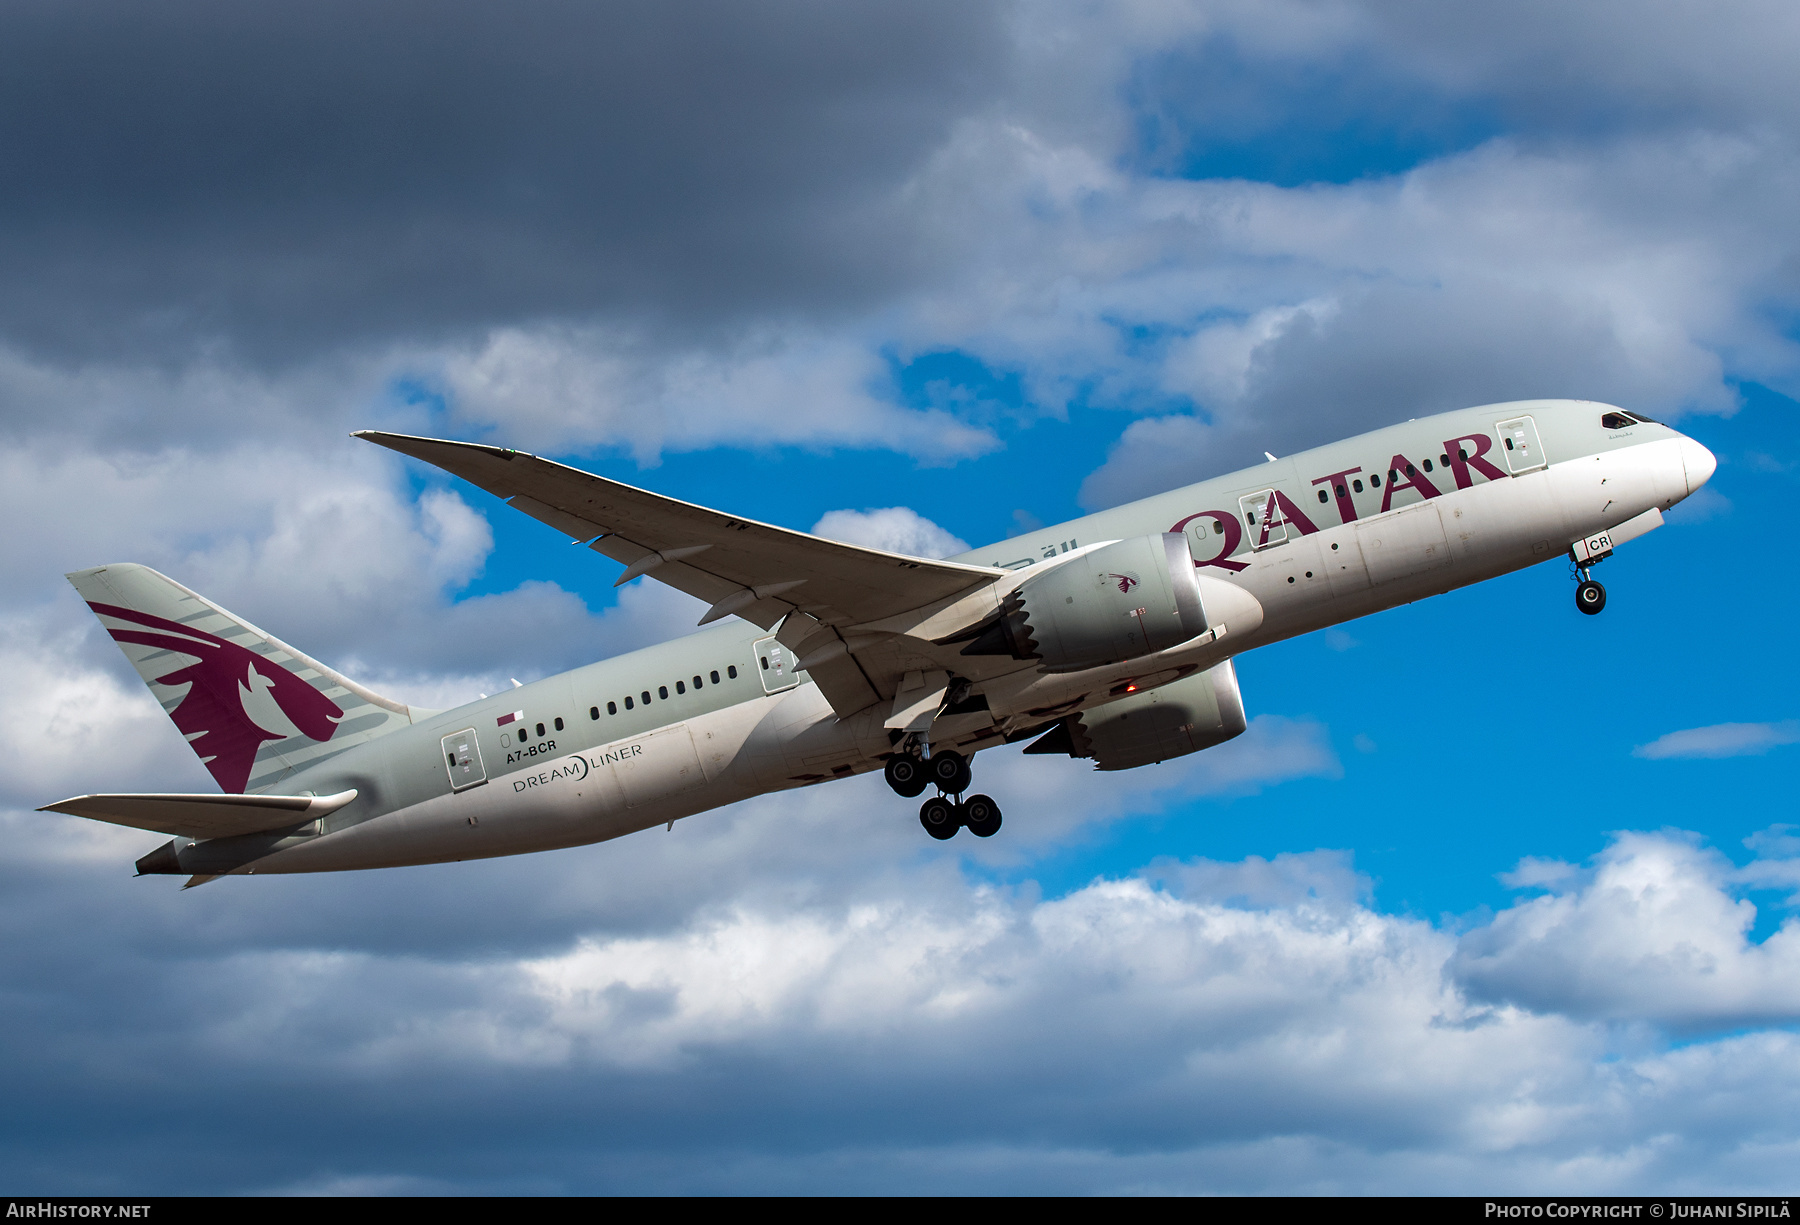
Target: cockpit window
1617	421
1643	420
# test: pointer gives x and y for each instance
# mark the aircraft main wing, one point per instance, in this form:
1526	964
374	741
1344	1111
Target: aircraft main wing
738	566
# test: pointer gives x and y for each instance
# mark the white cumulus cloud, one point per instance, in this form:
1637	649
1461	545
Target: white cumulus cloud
1650	933
898	529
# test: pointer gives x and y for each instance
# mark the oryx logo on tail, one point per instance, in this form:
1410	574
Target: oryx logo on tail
236	699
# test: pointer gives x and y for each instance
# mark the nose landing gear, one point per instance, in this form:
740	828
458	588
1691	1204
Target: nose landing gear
1590	597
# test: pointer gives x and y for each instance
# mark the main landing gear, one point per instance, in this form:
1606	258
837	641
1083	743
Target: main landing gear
909	775
906	775
946	812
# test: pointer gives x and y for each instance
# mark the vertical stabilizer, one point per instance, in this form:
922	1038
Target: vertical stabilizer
253	709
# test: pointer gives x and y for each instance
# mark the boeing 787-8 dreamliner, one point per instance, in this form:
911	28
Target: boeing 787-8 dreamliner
1109	637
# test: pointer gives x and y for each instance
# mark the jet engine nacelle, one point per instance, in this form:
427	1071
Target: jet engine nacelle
1182	717
1120	601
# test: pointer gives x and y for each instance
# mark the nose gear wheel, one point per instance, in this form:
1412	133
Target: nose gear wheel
1590	597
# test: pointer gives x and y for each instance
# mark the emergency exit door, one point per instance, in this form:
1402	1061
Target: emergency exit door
775	663
462	757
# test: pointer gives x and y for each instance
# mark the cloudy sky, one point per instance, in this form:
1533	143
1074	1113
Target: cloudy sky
1491	897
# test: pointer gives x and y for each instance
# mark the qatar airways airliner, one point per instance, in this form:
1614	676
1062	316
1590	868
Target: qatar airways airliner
1109	637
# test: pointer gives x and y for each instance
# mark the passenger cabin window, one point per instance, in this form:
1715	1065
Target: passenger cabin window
765	663
1375	481
559	725
662	691
627	703
730	670
1428	465
1609	421
540	729
524	735
612	707
680	687
715	677
1356	485
696	682
1322	496
646	696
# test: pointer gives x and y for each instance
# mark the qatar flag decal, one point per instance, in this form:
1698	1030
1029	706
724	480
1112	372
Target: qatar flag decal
514	717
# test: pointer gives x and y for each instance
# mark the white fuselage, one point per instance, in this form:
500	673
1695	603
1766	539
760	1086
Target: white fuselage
1312	540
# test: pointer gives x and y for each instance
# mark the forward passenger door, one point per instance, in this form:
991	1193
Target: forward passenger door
1519	441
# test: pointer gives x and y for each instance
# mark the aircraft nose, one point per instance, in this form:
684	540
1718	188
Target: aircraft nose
1697	462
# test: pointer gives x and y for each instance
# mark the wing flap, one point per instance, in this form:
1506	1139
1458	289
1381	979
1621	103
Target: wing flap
201	815
841	678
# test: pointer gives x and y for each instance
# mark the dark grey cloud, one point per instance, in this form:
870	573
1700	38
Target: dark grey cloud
1609	66
1339	92
282	177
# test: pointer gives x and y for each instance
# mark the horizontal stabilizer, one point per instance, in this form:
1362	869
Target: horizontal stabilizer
203	816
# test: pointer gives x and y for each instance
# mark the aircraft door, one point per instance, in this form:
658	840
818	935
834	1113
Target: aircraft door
775	663
1519	440
1264	523
462	757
